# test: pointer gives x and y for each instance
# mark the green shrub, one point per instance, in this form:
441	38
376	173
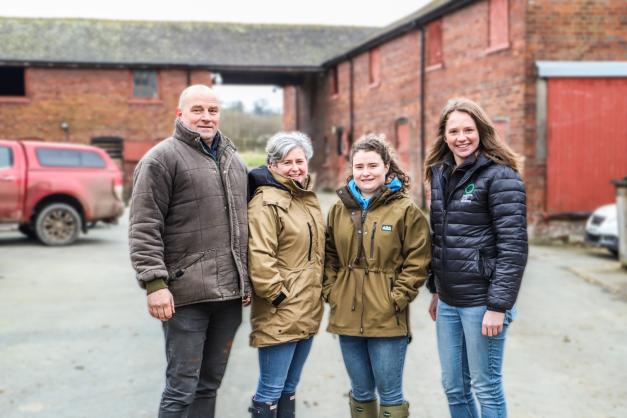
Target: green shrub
253	159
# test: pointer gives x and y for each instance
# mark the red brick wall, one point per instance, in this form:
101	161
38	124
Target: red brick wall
494	78
376	107
564	30
94	102
503	81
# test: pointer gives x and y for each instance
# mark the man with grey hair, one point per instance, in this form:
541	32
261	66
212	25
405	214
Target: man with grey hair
188	235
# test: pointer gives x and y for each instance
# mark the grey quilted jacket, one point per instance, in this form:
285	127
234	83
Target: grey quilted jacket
479	223
188	221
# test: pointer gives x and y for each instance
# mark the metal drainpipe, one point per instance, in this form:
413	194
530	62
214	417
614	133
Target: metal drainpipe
422	115
296	108
351	106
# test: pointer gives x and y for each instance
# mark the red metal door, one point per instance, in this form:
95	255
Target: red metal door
587	142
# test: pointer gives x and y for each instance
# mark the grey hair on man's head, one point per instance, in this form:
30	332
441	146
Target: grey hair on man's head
282	143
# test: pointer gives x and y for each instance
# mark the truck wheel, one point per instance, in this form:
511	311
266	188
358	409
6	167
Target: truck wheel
58	224
27	230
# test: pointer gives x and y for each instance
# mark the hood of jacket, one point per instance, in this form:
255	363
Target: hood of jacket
262	176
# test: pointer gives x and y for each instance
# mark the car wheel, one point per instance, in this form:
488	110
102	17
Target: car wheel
58	224
614	252
27	230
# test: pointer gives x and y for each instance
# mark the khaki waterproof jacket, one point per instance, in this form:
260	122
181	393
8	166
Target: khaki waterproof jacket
286	256
375	262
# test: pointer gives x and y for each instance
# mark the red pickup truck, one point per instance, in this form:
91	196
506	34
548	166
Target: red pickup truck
53	191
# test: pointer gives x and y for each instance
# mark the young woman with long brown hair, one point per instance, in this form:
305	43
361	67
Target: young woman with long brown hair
478	219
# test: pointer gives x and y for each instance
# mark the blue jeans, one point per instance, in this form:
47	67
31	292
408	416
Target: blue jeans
471	363
375	363
280	367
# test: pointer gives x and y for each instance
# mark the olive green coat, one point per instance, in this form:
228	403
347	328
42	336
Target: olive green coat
375	262
286	254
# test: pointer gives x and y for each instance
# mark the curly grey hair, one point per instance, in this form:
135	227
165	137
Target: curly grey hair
280	144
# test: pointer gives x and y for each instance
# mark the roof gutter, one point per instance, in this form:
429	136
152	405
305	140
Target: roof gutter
211	67
398	31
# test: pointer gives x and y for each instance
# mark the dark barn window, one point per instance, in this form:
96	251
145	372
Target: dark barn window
145	84
12	81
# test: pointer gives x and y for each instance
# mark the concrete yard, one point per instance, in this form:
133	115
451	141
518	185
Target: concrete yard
76	340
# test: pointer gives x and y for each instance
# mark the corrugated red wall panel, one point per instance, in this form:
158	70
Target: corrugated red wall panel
587	142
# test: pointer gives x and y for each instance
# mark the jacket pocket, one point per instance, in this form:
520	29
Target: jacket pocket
397	311
486	265
182	264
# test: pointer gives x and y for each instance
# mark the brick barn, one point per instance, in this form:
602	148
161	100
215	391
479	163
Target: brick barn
116	84
552	74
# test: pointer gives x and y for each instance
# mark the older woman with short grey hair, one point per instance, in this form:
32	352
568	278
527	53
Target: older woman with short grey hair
281	144
285	262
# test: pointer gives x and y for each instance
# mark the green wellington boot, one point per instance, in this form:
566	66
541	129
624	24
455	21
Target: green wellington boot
362	409
394	411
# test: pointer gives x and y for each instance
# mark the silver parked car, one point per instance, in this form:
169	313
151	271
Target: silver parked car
602	228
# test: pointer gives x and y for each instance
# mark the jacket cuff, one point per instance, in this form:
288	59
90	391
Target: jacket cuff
496	309
277	300
248	289
431	282
150	275
154	285
280	297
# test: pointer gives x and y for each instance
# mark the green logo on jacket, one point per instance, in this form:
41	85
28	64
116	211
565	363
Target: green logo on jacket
467	196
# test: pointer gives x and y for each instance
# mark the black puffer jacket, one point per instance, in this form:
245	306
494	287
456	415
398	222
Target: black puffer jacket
479	222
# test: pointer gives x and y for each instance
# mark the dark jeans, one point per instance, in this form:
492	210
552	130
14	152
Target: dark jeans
198	341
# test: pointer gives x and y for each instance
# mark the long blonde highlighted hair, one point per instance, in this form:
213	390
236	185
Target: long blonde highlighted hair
489	142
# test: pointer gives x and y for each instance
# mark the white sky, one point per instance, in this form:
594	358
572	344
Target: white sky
328	12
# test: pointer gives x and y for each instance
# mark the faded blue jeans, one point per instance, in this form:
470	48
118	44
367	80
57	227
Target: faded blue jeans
471	363
280	367
375	362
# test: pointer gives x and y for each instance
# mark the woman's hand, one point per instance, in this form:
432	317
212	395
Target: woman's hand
433	306
492	323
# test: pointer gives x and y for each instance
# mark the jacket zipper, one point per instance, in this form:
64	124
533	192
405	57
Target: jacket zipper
444	249
374	230
181	270
363	283
446	199
363	302
310	240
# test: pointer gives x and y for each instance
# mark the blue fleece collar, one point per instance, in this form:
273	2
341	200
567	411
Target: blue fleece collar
395	185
